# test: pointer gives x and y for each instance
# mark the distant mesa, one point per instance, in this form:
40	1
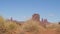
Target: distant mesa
36	17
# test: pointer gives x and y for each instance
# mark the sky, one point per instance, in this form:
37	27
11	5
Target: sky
23	9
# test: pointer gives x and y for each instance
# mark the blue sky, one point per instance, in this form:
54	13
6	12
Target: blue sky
24	9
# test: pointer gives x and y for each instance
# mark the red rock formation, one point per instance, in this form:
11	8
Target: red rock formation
36	17
44	22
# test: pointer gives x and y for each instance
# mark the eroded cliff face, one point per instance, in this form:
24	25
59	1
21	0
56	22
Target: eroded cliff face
36	17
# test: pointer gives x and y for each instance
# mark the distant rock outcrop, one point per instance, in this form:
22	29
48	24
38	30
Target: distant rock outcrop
36	17
44	22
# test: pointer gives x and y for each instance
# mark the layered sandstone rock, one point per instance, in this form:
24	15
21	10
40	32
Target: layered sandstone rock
36	17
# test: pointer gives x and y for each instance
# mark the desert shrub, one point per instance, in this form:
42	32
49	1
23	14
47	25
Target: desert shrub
53	26
59	23
1	19
31	26
2	26
12	26
8	27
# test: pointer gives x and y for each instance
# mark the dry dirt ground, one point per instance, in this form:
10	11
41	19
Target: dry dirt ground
46	32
